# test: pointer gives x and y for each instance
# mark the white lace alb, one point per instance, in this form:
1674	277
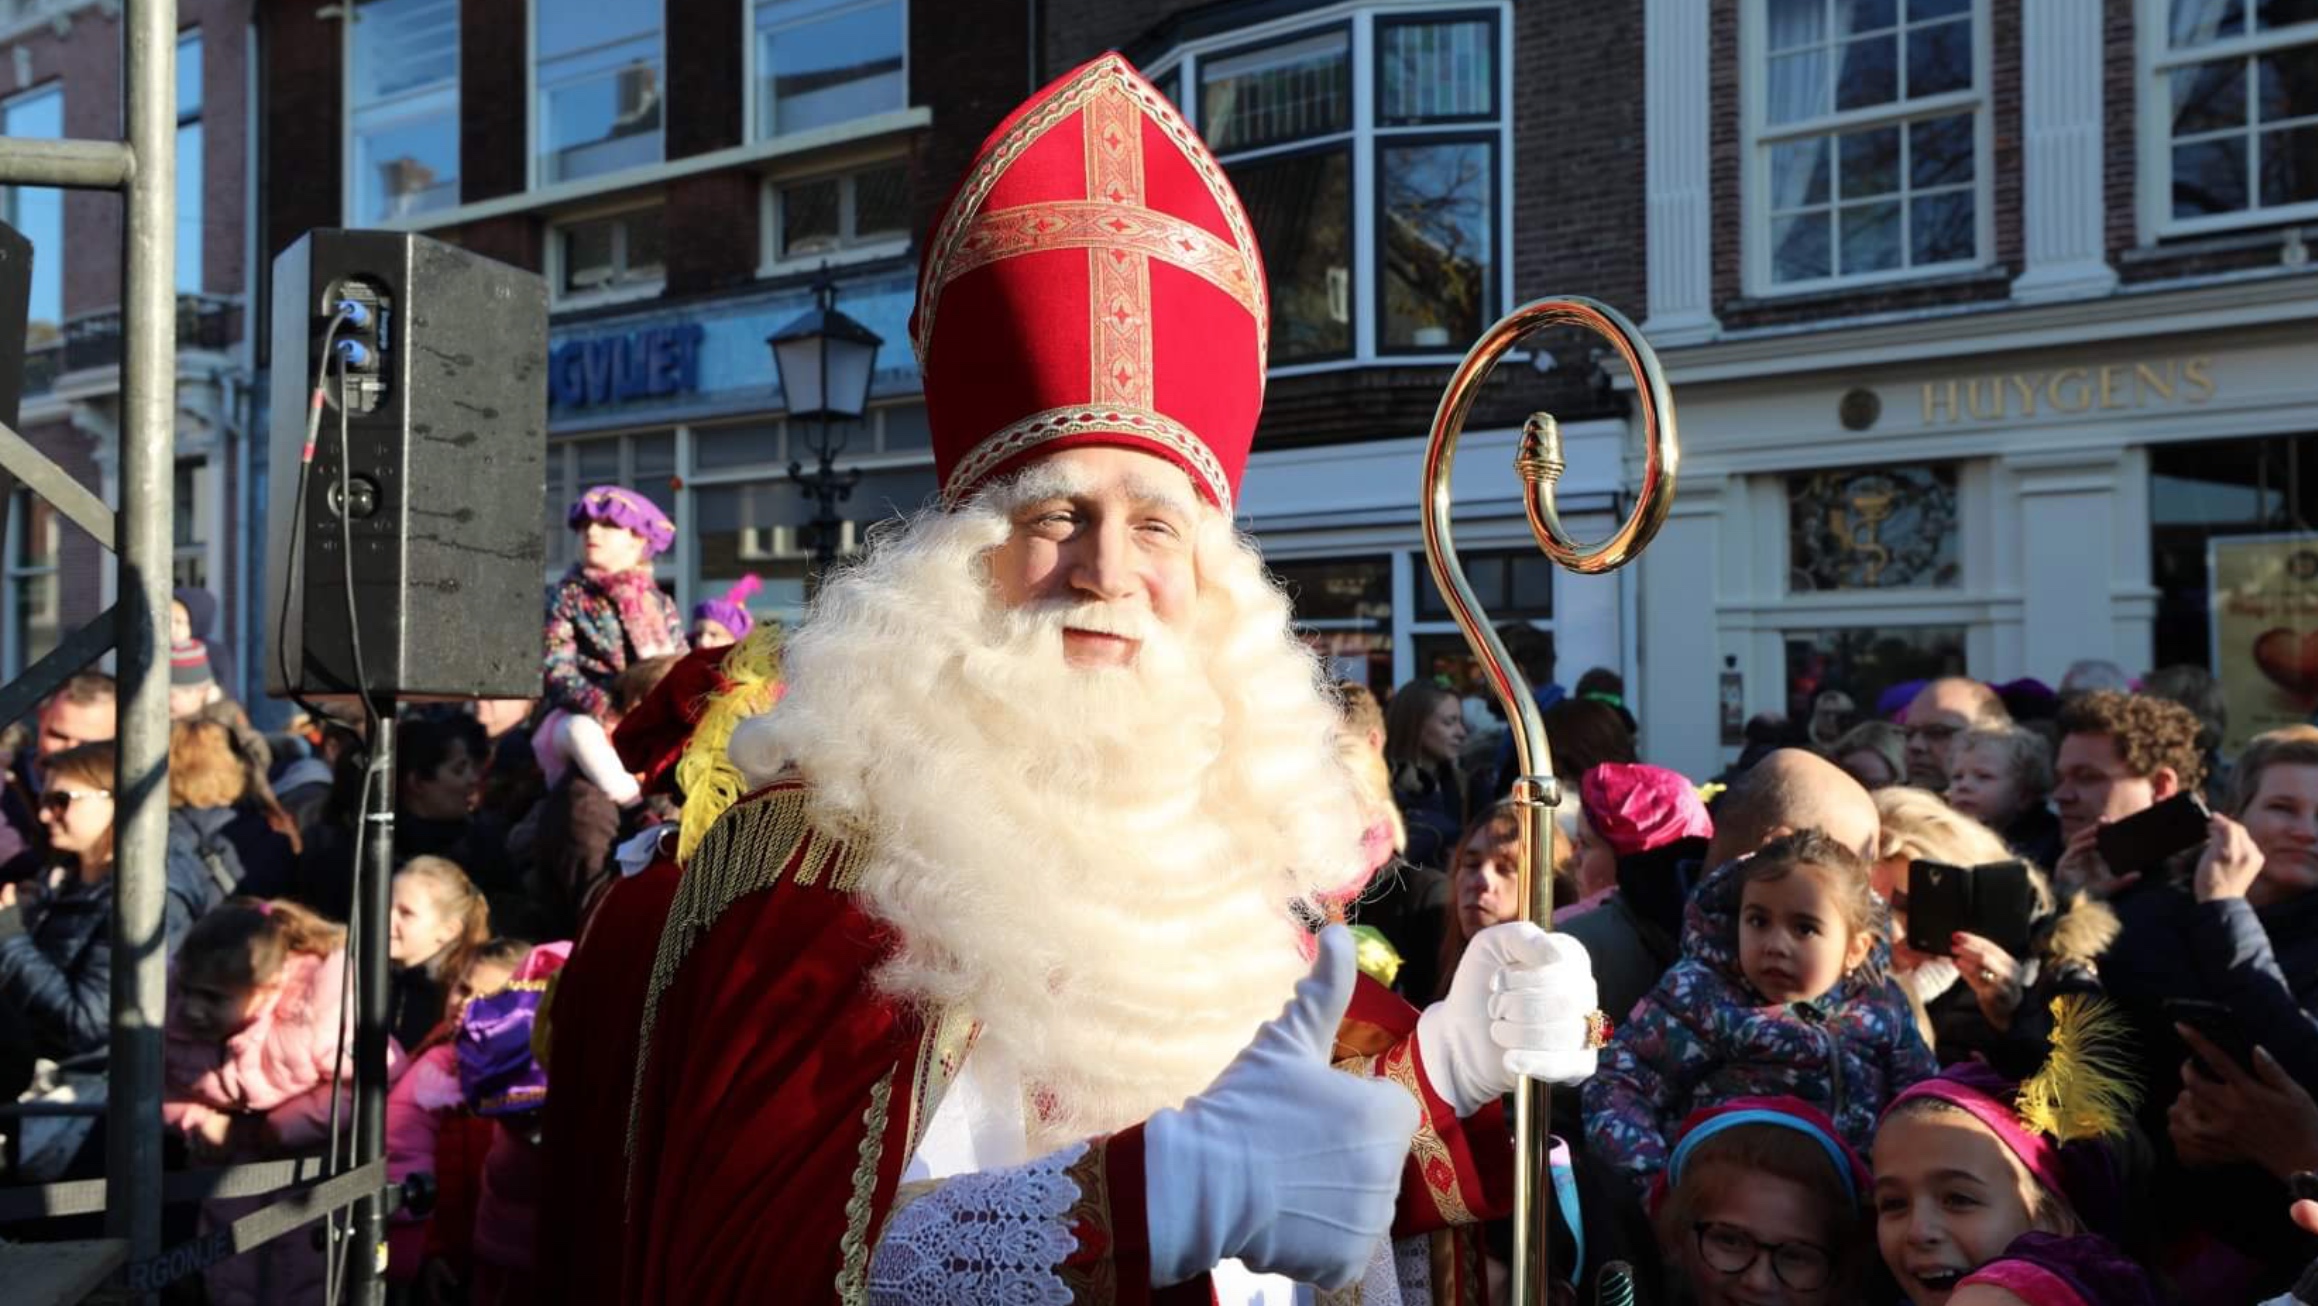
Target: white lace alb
994	1235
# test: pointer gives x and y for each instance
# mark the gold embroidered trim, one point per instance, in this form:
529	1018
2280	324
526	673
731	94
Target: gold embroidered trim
1087	224
746	851
1426	1147
1109	74
941	1055
853	1275
1093	1276
1058	423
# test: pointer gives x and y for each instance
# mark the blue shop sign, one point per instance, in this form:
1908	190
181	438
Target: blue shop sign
649	363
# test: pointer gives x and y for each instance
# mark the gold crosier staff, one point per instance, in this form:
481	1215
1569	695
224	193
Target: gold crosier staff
1535	794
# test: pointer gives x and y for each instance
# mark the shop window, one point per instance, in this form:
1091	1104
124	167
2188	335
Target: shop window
599	73
1343	609
759	526
1868	156
402	115
1864	662
2210	490
37	213
1873	529
189	169
1404	149
1510	583
2231	99
824	62
614	256
34	609
861	212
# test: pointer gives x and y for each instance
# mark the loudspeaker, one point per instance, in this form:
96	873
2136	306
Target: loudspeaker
438	371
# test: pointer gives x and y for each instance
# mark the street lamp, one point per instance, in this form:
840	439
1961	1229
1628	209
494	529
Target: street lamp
825	360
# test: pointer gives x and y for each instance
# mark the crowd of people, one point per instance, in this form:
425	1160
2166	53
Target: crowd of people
1806	1101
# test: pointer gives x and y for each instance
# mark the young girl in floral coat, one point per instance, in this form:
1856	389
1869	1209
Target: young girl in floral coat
606	614
1781	990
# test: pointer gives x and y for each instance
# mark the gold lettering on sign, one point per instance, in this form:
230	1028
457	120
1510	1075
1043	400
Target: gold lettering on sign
2112	387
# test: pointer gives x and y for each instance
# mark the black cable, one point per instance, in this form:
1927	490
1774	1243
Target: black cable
297	550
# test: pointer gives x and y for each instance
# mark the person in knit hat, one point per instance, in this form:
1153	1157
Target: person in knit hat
724	621
192	685
1628	809
606	614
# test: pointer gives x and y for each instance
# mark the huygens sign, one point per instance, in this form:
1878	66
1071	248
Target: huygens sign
644	364
2109	386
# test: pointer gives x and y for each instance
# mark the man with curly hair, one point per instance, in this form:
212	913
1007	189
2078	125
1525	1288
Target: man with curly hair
2119	754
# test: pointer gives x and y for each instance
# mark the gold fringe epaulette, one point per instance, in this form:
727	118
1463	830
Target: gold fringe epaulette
709	780
749	850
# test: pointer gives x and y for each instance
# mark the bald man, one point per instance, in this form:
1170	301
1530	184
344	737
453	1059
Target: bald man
1637	932
1942	710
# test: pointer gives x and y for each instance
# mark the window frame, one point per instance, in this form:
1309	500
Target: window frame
2152	65
405	108
15	573
1365	139
535	113
559	299
1758	138
194	119
752	101
771	262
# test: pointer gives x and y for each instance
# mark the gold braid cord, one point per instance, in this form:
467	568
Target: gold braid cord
746	852
853	1275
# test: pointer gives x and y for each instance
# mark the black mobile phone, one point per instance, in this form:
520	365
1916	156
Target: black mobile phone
2304	1186
1993	901
2219	1026
2146	838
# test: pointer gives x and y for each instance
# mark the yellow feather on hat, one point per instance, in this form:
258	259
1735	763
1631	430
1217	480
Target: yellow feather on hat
711	783
2086	1088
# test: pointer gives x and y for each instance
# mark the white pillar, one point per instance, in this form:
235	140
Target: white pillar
1675	164
2060	71
2071	544
1680	674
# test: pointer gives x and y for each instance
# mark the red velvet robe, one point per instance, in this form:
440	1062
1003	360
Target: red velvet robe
780	1097
599	1002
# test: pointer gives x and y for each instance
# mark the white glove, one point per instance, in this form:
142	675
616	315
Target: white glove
1282	1162
1516	1007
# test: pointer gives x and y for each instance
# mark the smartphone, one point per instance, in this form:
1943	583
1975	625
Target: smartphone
1994	901
2219	1026
2146	838
2304	1186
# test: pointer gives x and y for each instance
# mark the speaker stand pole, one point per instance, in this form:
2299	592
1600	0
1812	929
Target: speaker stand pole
368	1241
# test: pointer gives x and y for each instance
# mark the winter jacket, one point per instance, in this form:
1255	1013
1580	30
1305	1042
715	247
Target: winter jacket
201	842
599	625
2261	963
1432	802
2034	836
2065	960
429	1131
1704	1036
283	1063
1635	934
59	971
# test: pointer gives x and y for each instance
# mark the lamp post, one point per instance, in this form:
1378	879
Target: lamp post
825	360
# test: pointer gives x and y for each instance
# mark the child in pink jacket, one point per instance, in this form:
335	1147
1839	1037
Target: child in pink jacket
252	1061
429	1130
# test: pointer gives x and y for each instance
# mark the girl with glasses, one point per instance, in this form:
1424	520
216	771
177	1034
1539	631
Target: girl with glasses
1761	1203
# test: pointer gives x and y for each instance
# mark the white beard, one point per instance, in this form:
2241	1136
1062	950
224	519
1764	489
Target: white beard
1098	864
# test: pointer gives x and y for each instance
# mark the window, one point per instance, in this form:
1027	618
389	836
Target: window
1869	529
823	62
403	109
194	496
34	612
615	255
1863	663
38	213
2236	84
2212	489
1869	160
1508	583
598	67
645	463
189	175
1370	155
1343	609
867	209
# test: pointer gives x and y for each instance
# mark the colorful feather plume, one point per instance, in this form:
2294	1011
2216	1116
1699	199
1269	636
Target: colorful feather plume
2086	1088
711	783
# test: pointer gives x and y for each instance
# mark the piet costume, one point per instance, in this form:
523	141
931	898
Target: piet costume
801	1132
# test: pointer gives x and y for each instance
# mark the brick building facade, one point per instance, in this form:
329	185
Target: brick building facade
60	75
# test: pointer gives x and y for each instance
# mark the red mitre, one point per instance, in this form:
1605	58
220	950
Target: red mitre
651	737
1093	281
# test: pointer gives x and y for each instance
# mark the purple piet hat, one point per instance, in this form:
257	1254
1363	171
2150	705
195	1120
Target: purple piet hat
499	1075
731	609
623	507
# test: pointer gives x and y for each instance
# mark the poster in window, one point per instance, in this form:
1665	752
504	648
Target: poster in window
2264	596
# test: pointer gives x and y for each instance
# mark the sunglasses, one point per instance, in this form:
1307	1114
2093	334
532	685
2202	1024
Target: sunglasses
60	801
